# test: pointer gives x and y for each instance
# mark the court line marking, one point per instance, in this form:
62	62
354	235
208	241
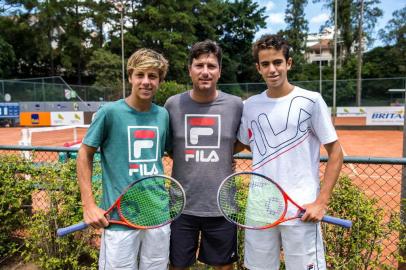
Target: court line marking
352	167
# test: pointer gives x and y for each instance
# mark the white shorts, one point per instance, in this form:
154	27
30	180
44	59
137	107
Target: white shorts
302	247
122	249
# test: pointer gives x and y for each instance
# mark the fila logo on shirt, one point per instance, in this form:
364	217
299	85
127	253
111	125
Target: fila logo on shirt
202	136
143	147
270	138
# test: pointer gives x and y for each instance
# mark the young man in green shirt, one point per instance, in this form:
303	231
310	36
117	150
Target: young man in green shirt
119	130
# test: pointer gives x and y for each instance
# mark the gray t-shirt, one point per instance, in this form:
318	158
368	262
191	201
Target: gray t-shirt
203	137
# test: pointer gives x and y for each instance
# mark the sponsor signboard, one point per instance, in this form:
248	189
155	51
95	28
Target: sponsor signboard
67	118
385	116
351	111
35	119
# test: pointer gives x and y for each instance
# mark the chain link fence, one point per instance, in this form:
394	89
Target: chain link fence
378	180
374	90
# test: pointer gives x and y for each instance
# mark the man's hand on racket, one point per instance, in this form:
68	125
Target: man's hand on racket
95	216
314	212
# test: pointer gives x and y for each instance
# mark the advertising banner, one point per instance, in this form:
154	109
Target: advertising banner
351	111
67	118
385	116
35	119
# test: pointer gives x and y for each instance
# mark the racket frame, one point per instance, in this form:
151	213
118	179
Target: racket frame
329	219
123	221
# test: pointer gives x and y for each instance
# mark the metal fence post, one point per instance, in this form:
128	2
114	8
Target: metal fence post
402	251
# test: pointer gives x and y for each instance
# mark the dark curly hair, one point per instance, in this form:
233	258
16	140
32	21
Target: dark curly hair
269	41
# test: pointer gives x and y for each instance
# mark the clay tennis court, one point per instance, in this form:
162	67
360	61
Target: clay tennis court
362	143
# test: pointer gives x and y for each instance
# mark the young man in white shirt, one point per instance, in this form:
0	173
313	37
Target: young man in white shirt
285	126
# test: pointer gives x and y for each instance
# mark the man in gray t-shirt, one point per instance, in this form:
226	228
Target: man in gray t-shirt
204	125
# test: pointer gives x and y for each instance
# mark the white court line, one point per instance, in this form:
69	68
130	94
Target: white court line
352	167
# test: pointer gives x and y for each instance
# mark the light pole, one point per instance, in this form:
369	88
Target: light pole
335	62
359	56
320	86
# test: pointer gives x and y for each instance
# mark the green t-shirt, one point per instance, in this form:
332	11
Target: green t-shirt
131	145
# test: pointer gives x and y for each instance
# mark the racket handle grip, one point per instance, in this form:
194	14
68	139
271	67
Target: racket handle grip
337	221
70	229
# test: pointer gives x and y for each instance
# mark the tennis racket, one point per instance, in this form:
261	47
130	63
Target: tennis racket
147	203
253	201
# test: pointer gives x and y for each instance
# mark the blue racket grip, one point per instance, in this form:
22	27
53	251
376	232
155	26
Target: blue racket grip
337	221
71	229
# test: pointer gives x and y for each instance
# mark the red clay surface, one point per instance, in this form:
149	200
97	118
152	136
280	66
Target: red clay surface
350	121
365	143
371	143
11	136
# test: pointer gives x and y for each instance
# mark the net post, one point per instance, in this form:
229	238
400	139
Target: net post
25	141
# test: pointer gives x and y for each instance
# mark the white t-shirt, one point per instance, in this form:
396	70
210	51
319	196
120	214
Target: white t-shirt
285	135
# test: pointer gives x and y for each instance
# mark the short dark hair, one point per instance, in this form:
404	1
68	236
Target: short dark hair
269	41
203	47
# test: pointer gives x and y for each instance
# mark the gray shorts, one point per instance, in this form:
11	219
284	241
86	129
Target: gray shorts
121	249
302	247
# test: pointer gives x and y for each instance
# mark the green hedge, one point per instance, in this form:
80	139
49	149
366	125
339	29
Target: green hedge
167	89
360	247
15	194
53	192
30	233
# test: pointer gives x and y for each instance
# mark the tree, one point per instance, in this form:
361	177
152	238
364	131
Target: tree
47	36
30	48
52	37
171	27
296	33
100	12
394	32
75	42
106	68
7	58
347	20
166	26
48	25
355	23
241	20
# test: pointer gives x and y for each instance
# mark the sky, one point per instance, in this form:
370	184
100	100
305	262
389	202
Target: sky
316	15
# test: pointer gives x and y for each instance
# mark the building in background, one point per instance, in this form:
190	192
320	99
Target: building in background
320	47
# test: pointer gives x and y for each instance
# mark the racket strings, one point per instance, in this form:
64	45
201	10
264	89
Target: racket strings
274	207
251	201
153	202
